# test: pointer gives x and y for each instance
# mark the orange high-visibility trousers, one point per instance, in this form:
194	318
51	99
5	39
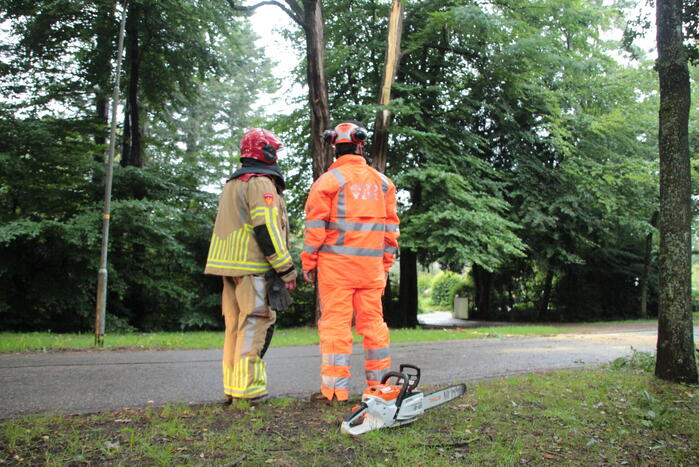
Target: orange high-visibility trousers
338	304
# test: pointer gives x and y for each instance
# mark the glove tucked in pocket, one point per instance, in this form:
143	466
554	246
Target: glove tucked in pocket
278	296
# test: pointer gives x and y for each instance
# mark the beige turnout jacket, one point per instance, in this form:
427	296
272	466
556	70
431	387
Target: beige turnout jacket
246	207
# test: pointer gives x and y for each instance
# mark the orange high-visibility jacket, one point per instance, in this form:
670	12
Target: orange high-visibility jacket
351	224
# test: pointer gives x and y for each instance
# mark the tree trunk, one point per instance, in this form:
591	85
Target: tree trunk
191	138
546	296
406	315
379	147
101	114
675	352
387	304
645	277
317	85
482	281
100	157
101	70
132	151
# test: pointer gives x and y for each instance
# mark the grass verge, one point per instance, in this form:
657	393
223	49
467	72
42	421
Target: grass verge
42	341
35	341
612	416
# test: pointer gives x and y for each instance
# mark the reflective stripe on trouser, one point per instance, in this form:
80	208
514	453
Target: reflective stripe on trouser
376	364
338	304
247	318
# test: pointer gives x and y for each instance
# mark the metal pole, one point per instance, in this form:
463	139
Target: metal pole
102	273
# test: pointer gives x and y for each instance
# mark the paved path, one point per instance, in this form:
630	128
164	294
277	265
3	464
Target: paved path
78	382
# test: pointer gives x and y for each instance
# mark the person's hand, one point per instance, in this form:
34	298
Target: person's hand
385	276
291	285
309	276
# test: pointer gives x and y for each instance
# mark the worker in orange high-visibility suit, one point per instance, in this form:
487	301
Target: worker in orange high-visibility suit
350	240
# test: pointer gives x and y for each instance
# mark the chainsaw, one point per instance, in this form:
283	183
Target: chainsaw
386	405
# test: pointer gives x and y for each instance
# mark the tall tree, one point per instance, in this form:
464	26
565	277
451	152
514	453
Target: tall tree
193	57
675	352
308	14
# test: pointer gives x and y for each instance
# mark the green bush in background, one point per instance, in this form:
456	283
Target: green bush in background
443	285
463	288
424	282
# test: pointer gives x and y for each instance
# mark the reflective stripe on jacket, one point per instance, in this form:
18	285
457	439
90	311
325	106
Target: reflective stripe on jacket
244	205
351	223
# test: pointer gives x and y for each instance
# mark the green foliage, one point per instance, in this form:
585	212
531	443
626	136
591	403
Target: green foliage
459	224
442	289
547	136
424	282
519	145
642	361
463	288
199	72
157	248
12	342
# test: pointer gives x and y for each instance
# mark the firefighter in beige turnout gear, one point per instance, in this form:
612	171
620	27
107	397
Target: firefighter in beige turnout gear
249	249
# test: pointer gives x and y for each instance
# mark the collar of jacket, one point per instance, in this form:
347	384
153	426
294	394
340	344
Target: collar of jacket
252	166
348	159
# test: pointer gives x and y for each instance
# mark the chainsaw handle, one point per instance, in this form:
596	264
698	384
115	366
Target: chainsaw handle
413	378
402	379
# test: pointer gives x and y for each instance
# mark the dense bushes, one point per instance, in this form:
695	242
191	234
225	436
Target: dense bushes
50	236
442	287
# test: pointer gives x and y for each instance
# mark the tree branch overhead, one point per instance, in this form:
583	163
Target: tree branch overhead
295	12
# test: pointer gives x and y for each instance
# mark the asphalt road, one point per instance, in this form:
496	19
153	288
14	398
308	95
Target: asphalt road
91	381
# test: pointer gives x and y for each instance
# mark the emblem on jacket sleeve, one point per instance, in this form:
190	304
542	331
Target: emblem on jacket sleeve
269	199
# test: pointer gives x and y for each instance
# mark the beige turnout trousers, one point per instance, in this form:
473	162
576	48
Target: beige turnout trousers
247	317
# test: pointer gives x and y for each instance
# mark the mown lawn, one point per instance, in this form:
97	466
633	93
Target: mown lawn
609	416
42	341
35	341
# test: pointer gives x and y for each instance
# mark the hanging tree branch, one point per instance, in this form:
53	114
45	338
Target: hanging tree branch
294	11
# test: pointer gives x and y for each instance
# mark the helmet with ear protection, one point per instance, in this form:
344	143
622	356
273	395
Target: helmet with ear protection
346	132
260	144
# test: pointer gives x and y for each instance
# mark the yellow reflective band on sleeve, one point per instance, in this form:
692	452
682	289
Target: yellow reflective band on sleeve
271	217
257	212
270	220
286	257
254	267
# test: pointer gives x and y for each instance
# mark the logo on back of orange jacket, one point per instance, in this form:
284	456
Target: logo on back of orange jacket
368	191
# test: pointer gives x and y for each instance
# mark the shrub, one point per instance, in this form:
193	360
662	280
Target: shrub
424	282
463	288
442	289
644	361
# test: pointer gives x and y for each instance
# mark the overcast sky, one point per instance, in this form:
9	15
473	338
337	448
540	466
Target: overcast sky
267	21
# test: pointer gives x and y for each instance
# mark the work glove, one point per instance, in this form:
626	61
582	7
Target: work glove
278	296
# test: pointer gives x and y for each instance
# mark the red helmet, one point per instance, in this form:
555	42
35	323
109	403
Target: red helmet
260	144
346	132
